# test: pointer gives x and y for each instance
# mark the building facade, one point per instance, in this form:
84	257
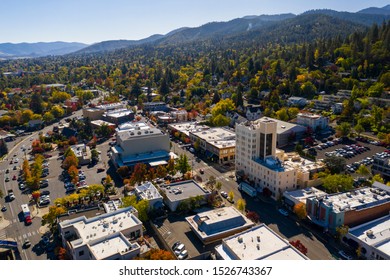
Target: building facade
104	237
314	121
269	170
350	208
140	143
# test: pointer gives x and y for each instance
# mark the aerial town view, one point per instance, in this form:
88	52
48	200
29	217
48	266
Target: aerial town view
260	135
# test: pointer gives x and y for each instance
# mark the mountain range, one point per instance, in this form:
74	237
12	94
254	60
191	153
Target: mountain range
290	26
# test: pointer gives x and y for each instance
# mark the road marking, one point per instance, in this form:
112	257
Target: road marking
226	179
24	236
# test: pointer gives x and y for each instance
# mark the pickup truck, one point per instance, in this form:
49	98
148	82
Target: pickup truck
11	195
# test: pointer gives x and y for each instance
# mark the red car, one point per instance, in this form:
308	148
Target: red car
14	178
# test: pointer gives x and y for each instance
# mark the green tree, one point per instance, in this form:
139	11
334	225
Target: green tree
220	120
222	107
363	170
36	103
57	111
377	178
359	129
337	183
94	155
344	129
48	117
182	164
3	148
142	206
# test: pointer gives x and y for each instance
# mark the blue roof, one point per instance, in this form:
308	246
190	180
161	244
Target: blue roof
272	163
144	158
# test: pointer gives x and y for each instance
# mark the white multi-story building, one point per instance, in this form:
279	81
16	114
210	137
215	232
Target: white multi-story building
140	143
270	170
313	121
104	237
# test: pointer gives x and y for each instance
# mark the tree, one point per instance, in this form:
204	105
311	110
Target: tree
36	103
344	129
359	129
51	217
337	183
253	216
3	148
151	174
139	173
220	120
218	186
363	170
108	181
222	107
300	210
161	171
61	253
231	196
123	171
335	164
70	160
57	111
142	206
182	164
94	155
377	178
48	117
342	231
157	254
241	204
73	173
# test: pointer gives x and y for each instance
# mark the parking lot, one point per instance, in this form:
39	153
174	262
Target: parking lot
354	152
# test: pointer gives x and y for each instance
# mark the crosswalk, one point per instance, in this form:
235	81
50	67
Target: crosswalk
27	235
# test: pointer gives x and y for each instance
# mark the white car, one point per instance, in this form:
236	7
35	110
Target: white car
224	194
183	255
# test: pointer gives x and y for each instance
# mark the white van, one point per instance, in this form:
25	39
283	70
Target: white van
179	249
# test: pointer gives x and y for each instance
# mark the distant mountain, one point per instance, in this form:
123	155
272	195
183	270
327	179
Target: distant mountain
10	50
361	18
302	28
376	11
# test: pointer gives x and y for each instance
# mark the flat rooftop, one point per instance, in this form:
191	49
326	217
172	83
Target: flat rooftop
133	126
218	137
112	245
101	122
183	190
358	199
299	163
110	106
309	116
375	233
138	133
118	113
188	127
302	194
281	126
258	243
101	226
217	222
148	191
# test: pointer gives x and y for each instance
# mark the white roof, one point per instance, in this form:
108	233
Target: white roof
218	137
258	243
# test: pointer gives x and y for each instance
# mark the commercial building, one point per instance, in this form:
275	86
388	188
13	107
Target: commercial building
140	143
97	112
314	121
216	224
351	208
373	239
268	169
291	198
257	243
186	128
180	115
104	237
179	192
155	106
218	144
83	153
381	165
98	123
118	116
296	101
148	191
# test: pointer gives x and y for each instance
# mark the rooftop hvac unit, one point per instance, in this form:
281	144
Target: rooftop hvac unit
369	232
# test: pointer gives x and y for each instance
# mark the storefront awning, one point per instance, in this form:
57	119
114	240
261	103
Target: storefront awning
157	163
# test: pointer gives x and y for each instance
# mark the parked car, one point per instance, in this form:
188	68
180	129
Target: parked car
224	194
283	212
175	245
45	193
201	171
180	249
26	243
344	255
183	255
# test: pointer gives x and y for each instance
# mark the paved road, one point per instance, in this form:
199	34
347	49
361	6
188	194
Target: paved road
287	227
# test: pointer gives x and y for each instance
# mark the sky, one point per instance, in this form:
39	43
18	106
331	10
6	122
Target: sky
91	21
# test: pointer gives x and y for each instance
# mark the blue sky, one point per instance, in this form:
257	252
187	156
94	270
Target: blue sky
90	21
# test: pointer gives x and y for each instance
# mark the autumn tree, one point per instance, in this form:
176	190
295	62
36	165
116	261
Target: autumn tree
231	196
300	210
157	254
123	171
70	160
51	217
161	171
73	173
139	173
253	216
241	204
